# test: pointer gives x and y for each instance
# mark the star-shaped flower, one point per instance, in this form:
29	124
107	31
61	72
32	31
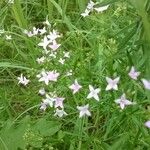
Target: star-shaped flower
147	124
54	46
53	35
44	43
123	101
133	73
59	102
60	113
86	13
8	37
112	84
53	75
42	31
66	54
62	61
23	80
49	101
40	60
75	87
84	111
43	77
146	84
93	93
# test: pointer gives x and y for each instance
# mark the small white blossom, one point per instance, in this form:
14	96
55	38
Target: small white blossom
42	91
86	13
112	84
123	101
75	87
62	61
60	113
42	31
84	111
23	80
133	73
93	93
146	84
40	60
44	43
8	37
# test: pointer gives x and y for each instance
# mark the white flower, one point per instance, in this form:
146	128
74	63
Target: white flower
53	35
35	30
23	80
42	91
146	84
93	93
42	31
147	124
84	110
101	9
11	1
2	31
40	60
91	5
66	54
44	43
86	13
133	73
123	101
49	101
47	22
54	46
69	73
75	86
62	61
60	113
112	84
43	106
8	37
59	102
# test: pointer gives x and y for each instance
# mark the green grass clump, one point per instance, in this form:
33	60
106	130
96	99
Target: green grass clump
101	45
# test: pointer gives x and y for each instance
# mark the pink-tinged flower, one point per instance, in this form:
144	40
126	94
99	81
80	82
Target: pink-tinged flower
146	84
42	31
123	101
54	46
84	111
60	113
93	93
23	80
112	84
59	102
42	91
66	54
62	61
133	73
40	60
75	87
53	35
44	43
86	13
53	75
147	124
101	9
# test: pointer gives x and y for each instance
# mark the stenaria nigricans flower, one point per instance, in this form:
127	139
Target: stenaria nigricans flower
93	93
60	113
123	101
59	102
101	9
112	84
133	73
84	111
23	80
75	87
146	84
147	124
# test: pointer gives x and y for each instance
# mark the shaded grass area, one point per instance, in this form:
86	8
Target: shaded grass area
101	45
